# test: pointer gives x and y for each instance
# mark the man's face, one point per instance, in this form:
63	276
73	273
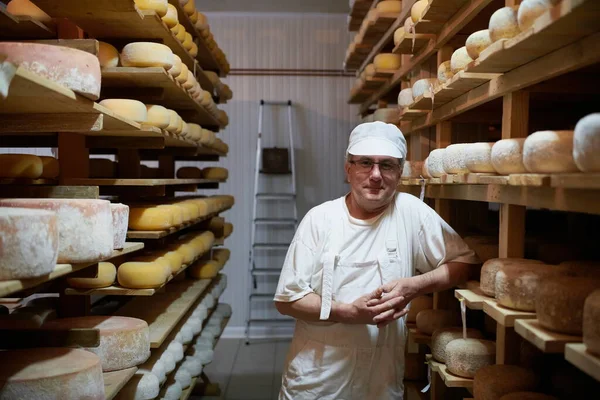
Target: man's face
373	180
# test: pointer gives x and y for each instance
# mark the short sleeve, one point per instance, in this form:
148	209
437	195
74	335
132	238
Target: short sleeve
296	273
440	244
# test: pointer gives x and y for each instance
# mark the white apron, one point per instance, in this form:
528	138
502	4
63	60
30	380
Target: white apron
334	361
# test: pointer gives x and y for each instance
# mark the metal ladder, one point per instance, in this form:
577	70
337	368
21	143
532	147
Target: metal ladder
256	221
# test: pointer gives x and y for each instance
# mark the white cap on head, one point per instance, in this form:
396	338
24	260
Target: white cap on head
377	139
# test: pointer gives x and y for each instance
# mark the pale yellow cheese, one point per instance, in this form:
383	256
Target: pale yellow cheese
444	72
202	23
194	50
477	42
194	17
408	25
188	252
530	10
194	131
175	70
131	109
399	35
25	8
170	18
464	357
190	7
142	275
208	137
173	122
549	152
183	75
417	10
389	6
108	55
507	156
21	166
190	82
478	157
187	41
162	261
586	143
205	270
158	116
107	273
504	23
179	32
175	259
387	61
149	219
459	60
147	54
184	129
174	211
369	70
159	6
51	167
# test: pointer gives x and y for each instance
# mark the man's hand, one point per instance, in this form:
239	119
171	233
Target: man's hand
359	311
394	298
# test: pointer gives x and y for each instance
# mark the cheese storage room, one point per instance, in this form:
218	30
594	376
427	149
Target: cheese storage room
299	200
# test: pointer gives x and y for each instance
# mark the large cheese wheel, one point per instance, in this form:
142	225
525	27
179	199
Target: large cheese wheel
586	143
405	98
424	87
455	160
120	218
189	173
591	323
429	321
149	219
159	6
124	341
50	374
444	72
75	69
131	109
84	226
175	70
560	301
442	337
387	61
412	169
435	163
478	157
108	55
142	275
189	7
408	25
530	10
507	156
504	24
518	283
147	54
389	6
527	396
177	213
157	116
221	256
478	42
107	273
51	167
25	8
21	166
490	269
399	35
464	357
459	60
417	305
549	152
170	18
417	10
494	381
30	240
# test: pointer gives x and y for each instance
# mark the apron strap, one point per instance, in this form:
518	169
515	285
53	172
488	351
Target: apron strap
327	290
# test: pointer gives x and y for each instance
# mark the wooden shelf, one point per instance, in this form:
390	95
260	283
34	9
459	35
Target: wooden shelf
13	286
504	316
545	340
114	381
576	354
359	10
473	299
187	393
418	337
138	182
22	27
373	31
409	114
406	46
450	380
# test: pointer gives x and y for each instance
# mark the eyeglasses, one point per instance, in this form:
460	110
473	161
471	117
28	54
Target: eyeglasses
366	165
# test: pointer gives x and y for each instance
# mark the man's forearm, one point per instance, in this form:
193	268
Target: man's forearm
308	308
445	277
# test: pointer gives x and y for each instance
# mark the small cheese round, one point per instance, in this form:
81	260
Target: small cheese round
399	35
189	173
183	75
187	41
149	219
173	122
26	166
418	9
494	381
175	70
387	61
370	70
435	163
170	18
424	87
517	284
202	23
177	213
586	143
205	270
464	357
429	321
190	82
207	138
389	6
408	25
183	377
504	24
454	159
560	301
194	50
194	17
25	8
159	6
443	336
147	54
130	109
107	273
507	156
412	169
179	32
417	305
158	116
527	396
108	55
478	157
459	60
530	10
444	72
190	7
142	275
591	323
490	269
549	152
478	42
51	167
142	386
405	97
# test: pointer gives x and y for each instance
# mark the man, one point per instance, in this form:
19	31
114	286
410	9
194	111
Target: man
349	275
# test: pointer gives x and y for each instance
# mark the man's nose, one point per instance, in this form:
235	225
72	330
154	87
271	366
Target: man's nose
375	172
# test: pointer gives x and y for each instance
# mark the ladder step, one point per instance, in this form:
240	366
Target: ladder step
271	246
275	196
266	272
262	295
275	221
272	320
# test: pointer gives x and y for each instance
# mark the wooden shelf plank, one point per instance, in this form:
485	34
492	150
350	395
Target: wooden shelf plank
187	393
53	192
406	46
472	178
374	30
493	180
466	81
575	181
418	337
16	285
409	114
545	340
474	299
356	97
504	316
576	354
114	381
23	27
372	83
424	102
138	182
359	10
451	381
529	180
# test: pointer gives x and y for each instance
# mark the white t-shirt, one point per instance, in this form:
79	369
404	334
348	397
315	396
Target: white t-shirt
425	241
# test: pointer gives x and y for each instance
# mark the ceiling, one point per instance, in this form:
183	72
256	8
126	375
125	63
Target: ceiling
300	6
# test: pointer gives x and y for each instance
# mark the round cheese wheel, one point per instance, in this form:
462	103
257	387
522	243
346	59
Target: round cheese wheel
460	60
173	122
170	18
208	138
389	6
586	143
194	132
504	23
517	284
194	17
190	7
189	173
405	97
171	391
26	166
478	42
530	10
435	163
369	70
560	301
527	396
142	386
51	167
158	116
187	41
455	160
426	173
124	341
202	23
442	337
142	275
387	61
51	373
205	270
175	70
177	213
107	273
444	72
194	50
25	8
490	269
591	323
418	9
494	381
429	321
417	305
150	219
412	169
549	152
130	109
478	157
179	32
183	75
464	357
147	54
190	82
399	35
108	55
183	377
408	25
159	6
221	255
507	156
424	87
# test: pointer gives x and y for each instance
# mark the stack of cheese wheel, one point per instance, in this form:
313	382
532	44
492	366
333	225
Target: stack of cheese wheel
28	166
494	381
442	337
429	321
549	152
464	357
491	267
